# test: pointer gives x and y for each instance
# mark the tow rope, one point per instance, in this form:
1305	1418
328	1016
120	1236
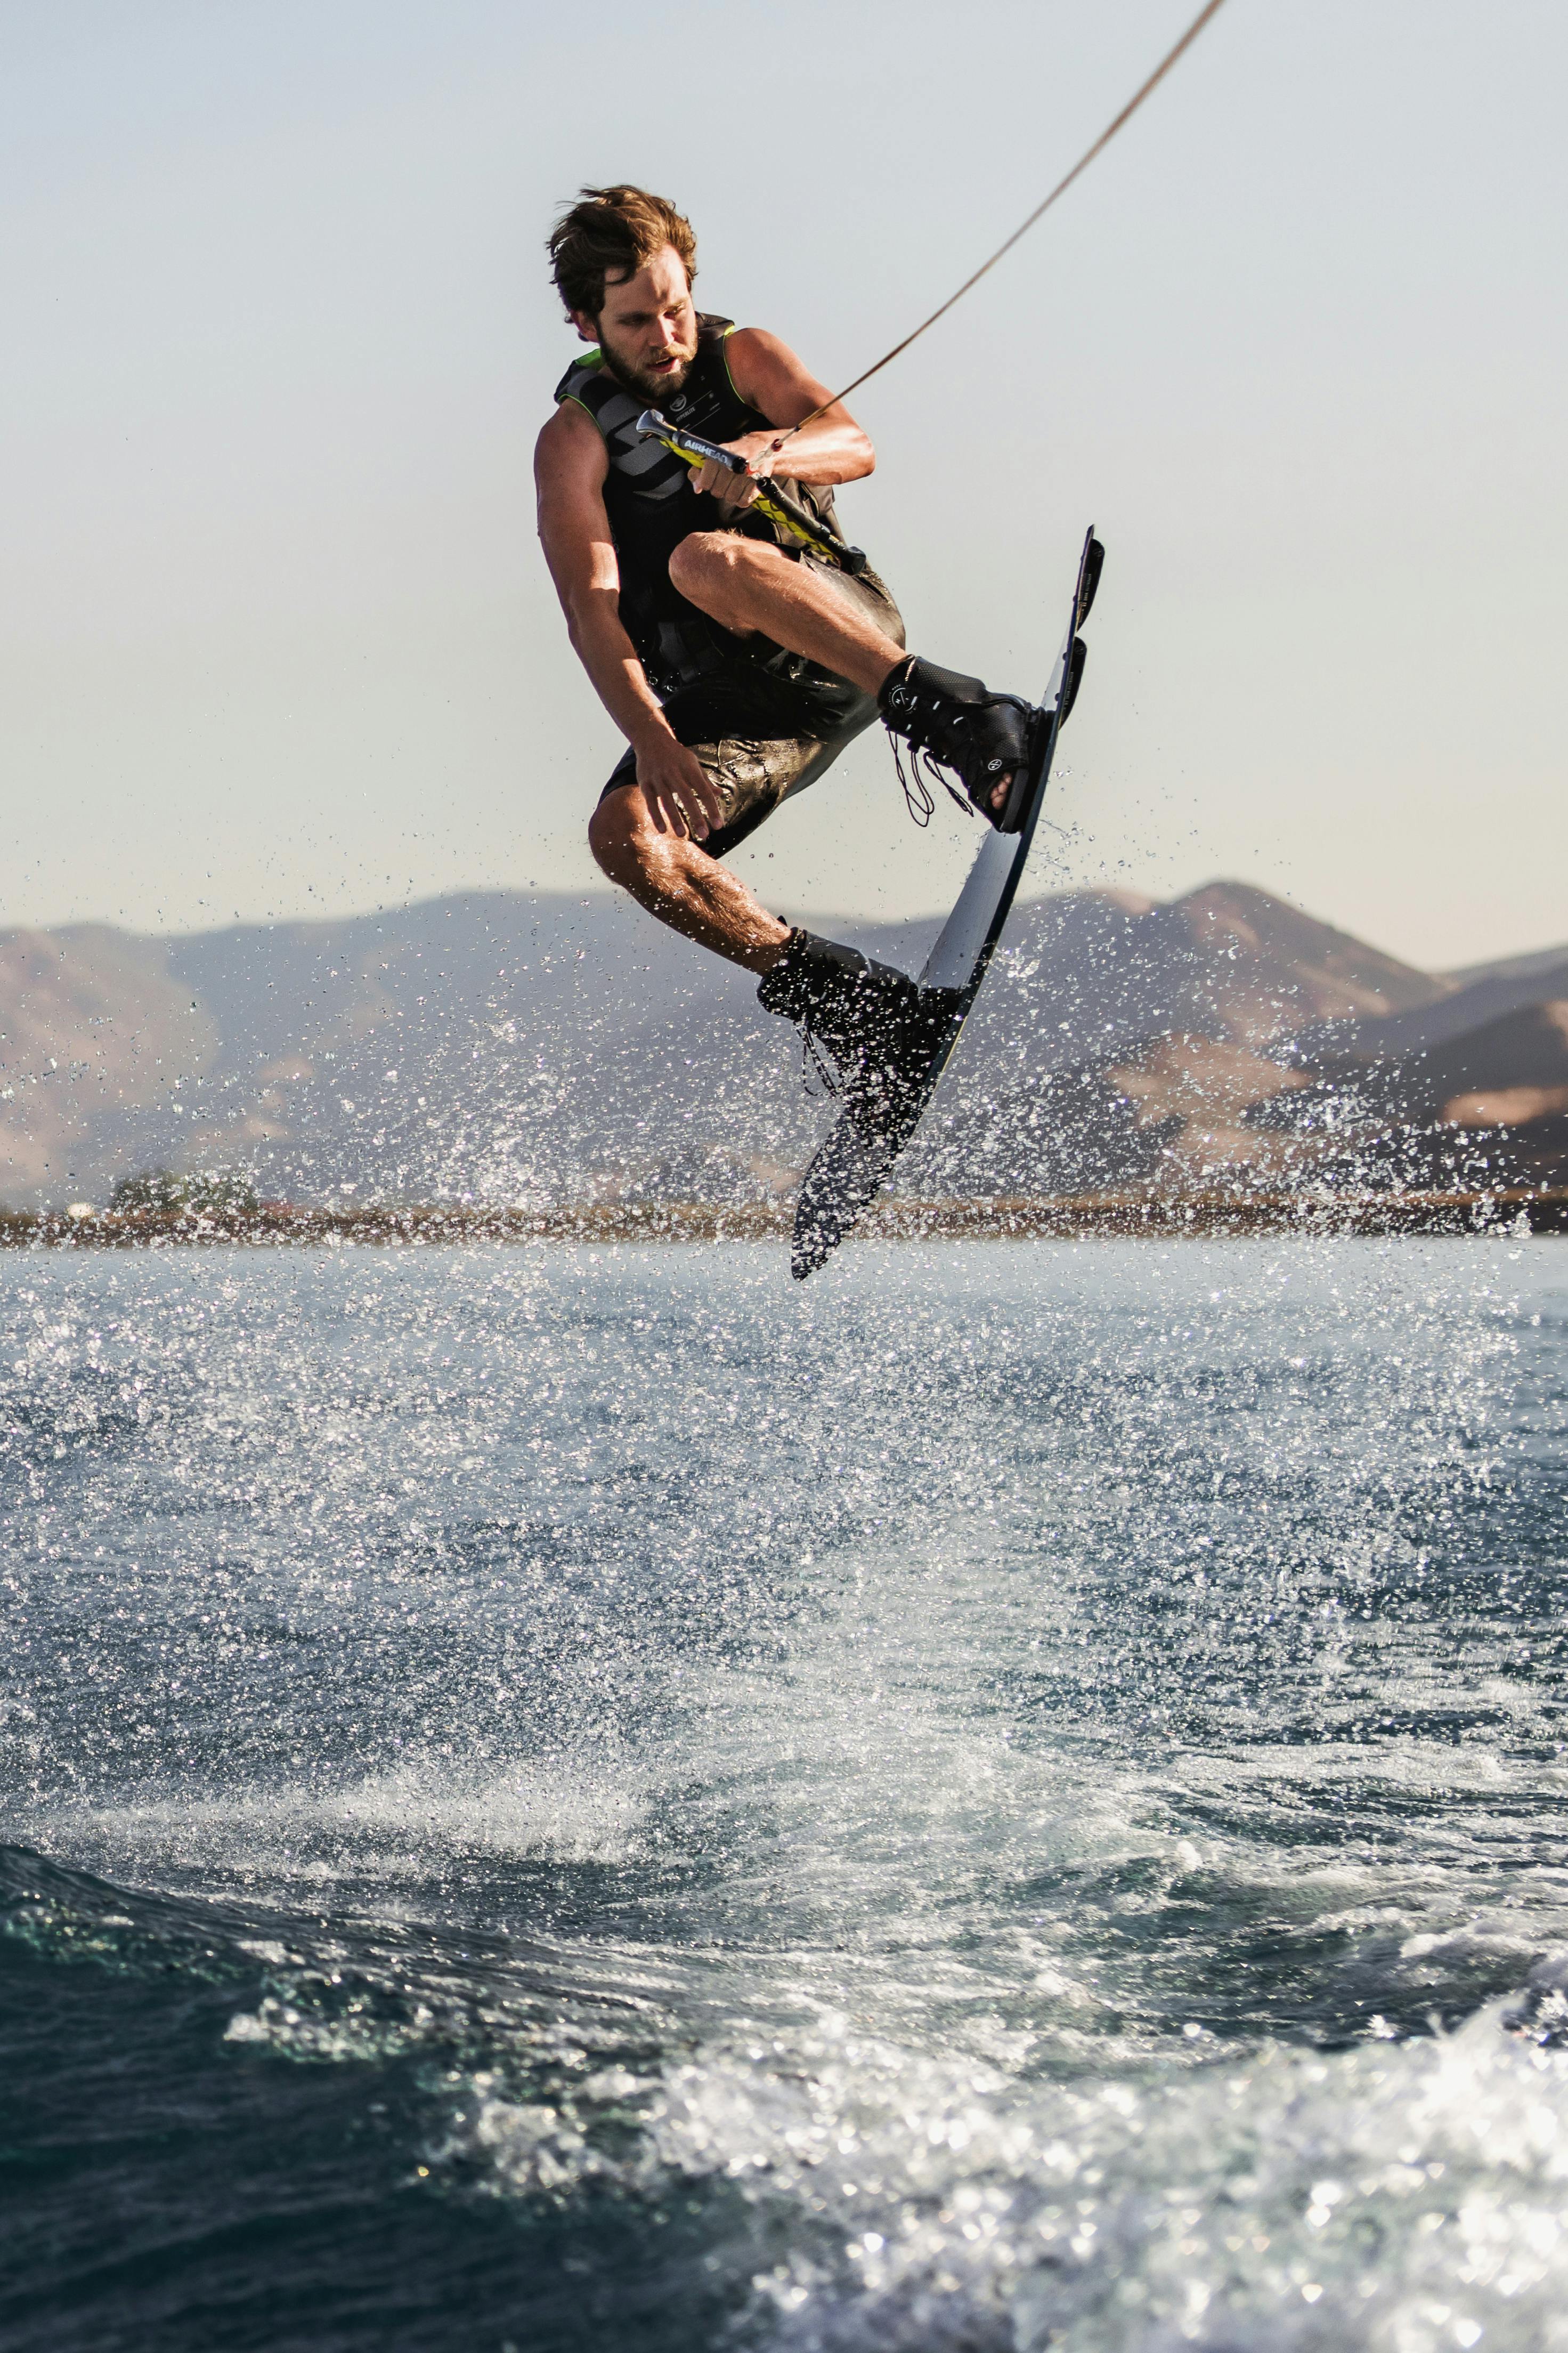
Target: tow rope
1145	90
795	520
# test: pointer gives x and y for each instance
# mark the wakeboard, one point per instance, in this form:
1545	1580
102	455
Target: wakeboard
856	1157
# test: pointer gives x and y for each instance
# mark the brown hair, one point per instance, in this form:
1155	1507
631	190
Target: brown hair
612	233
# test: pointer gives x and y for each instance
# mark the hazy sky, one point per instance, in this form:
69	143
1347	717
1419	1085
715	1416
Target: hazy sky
278	636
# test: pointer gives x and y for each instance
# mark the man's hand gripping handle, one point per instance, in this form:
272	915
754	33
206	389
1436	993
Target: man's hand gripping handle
777	505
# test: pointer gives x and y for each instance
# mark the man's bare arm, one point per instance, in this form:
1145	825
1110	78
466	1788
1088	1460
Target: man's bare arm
767	373
570	466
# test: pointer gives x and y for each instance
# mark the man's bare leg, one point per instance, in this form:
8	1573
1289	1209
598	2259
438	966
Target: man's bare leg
678	881
856	1010
753	590
750	587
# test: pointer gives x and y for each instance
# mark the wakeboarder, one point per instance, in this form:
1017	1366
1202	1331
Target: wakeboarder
736	664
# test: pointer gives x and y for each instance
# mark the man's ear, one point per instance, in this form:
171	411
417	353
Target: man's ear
587	328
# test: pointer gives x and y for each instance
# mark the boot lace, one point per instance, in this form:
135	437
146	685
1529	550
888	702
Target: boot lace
817	1062
919	799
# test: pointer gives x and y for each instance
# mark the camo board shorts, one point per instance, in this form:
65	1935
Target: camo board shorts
770	723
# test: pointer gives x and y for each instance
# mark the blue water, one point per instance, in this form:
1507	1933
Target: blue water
571	1799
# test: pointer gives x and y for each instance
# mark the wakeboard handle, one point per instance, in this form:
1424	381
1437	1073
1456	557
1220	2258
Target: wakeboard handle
776	504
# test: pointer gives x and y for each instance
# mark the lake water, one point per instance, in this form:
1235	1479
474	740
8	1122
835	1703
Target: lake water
1013	1798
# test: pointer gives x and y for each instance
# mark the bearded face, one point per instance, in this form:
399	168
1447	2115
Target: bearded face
647	328
653	379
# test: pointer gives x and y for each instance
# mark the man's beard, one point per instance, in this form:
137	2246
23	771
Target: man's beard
654	388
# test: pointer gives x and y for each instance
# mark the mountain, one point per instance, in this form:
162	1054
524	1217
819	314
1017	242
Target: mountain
1500	990
498	1047
1538	962
1504	1073
1510	1073
490	1044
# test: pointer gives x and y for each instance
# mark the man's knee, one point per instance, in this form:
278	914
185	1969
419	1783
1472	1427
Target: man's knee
705	560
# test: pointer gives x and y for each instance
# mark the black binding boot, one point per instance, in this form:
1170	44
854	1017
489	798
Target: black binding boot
956	723
854	1015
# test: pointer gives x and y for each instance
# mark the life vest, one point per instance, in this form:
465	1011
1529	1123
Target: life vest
652	506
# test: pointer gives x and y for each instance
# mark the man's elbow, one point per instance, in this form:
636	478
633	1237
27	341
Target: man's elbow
862	458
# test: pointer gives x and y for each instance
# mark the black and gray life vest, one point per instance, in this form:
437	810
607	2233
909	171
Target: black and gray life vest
652	506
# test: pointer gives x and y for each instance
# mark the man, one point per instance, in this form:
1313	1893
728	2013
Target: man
736	667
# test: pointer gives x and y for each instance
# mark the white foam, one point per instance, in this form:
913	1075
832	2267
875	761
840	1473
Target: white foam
1404	2198
396	1827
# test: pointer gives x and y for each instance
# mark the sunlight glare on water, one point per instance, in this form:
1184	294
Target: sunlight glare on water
1010	1798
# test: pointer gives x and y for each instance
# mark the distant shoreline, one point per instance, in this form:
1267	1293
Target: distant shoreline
1105	1216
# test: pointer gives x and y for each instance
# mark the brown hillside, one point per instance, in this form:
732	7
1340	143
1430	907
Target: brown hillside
1510	1070
509	1049
92	1024
1287	967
